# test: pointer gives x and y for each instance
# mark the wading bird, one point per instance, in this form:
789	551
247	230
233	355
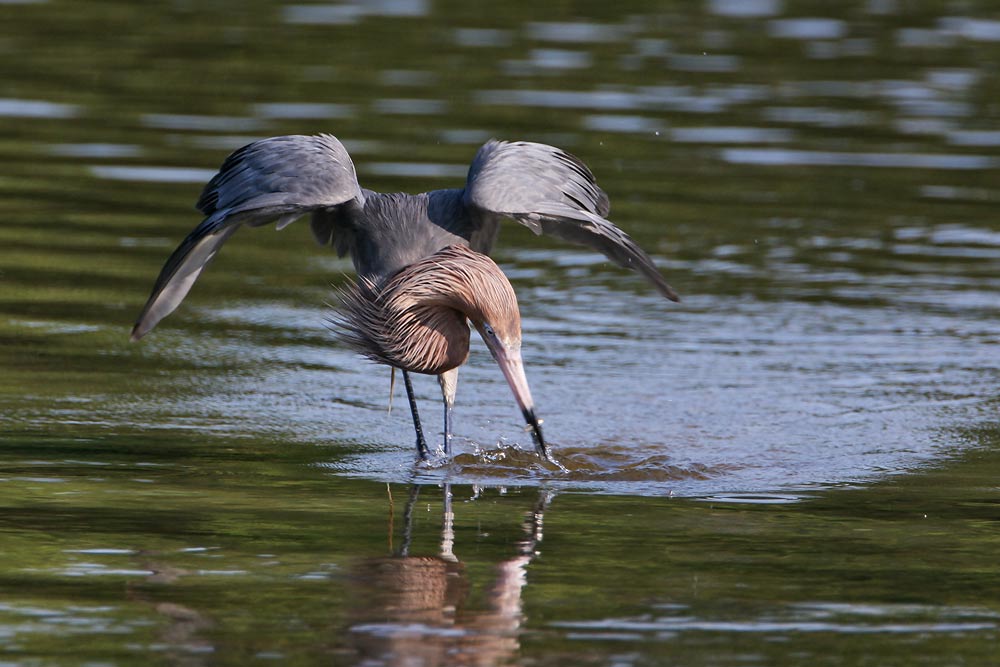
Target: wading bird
283	178
417	322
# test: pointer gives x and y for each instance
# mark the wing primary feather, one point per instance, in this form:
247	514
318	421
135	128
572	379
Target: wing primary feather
179	275
553	192
277	179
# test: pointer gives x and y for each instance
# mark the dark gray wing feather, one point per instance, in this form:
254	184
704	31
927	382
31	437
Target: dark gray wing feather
281	176
553	192
272	180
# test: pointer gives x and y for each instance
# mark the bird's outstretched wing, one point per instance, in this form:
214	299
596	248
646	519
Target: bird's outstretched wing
553	192
277	179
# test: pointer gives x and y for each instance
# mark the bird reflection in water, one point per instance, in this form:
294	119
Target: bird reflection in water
413	610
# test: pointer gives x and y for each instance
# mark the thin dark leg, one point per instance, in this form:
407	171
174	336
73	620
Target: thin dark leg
421	443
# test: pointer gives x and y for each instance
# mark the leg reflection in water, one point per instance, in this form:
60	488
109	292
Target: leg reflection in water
420	610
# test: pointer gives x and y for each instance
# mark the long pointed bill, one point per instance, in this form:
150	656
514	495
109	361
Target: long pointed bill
512	368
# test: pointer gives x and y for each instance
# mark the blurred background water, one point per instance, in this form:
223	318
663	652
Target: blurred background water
797	463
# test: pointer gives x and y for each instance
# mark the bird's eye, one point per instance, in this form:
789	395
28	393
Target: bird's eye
489	330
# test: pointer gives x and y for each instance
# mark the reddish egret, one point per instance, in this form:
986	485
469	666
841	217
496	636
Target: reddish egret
417	322
283	178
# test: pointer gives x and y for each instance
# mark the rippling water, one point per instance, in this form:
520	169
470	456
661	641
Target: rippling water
796	463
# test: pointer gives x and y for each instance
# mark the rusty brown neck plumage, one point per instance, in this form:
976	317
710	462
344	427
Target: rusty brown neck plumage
417	320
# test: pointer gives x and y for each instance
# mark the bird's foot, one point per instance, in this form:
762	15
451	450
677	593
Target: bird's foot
422	452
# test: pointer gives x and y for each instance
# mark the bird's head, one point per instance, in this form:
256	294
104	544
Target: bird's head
491	306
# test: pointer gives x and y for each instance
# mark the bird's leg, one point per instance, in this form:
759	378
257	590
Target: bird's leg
421	443
392	386
449	385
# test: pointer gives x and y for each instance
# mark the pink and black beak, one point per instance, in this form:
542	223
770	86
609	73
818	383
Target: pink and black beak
508	358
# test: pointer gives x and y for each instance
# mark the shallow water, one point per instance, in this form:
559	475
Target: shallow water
797	463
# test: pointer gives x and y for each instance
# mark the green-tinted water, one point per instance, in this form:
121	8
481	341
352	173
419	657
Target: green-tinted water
795	465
